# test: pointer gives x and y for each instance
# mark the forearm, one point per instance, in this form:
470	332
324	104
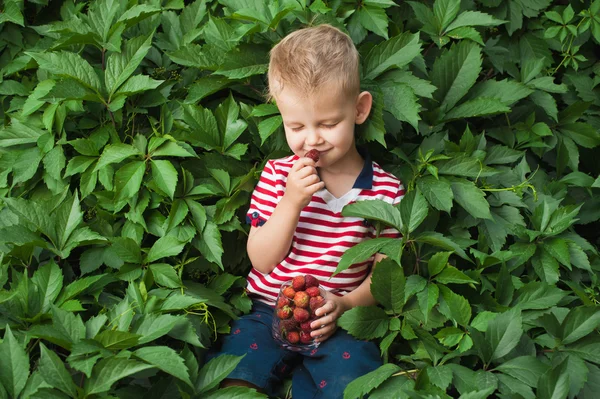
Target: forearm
271	242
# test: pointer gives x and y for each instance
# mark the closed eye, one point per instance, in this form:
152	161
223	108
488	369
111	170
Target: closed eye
297	129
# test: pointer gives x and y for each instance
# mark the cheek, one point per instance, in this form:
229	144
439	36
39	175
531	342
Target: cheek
294	141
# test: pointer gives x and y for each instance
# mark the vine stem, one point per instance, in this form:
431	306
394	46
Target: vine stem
405	372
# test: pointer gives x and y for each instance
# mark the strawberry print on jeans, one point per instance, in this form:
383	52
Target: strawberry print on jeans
237	331
322	384
312	352
346	355
254	346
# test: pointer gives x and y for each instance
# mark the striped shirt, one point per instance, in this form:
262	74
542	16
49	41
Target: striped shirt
322	234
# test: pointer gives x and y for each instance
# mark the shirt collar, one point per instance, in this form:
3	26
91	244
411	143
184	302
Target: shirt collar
365	178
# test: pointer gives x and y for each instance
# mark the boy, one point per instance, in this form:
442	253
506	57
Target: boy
296	222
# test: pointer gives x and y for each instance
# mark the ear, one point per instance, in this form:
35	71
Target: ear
364	101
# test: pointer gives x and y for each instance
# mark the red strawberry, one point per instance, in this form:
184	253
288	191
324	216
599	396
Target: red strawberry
298	283
301	315
288	325
284	313
305	337
289	292
313	154
301	299
316	302
293	337
283	301
306	326
311	281
313	291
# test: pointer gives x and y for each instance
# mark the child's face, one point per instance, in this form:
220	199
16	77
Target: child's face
325	122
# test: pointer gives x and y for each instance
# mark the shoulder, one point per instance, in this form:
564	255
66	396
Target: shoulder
281	165
380	175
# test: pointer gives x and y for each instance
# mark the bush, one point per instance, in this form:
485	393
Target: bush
134	132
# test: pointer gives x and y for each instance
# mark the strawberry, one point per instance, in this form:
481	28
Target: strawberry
288	325
283	301
289	292
284	313
298	283
293	337
316	302
301	315
306	326
311	281
305	337
313	291
313	154
301	299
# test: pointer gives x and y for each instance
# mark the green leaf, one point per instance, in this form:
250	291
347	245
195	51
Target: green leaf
427	299
49	280
402	102
128	179
165	176
165	359
478	107
268	126
165	247
127	249
455	72
451	275
438	240
499	154
361	252
580	322
68	64
504	332
203	127
136	84
14	364
110	370
374	19
19	133
393	53
440	376
554	384
113	339
215	371
437	263
211	245
115	153
365	322
375	210
527	369
474	18
583	134
234	392
445	11
471	198
413	210
438	192
54	371
545	266
387	285
120	66
454	306
537	295
366	383
153	326
68	217
165	275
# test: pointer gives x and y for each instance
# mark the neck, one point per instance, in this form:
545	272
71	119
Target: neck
351	164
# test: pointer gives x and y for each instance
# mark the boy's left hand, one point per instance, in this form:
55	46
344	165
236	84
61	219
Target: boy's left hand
326	325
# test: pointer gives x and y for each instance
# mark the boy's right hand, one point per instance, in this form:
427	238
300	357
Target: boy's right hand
302	182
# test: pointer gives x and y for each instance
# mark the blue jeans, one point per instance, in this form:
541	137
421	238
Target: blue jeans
323	372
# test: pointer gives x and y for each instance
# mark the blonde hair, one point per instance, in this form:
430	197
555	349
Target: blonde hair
310	58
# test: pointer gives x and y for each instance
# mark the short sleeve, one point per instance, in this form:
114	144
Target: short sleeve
264	197
391	232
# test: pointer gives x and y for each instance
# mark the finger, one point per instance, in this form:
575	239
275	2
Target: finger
328	307
321	331
307	171
325	336
310	180
323	321
302	162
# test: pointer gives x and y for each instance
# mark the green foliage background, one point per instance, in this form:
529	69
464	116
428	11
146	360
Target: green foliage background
133	134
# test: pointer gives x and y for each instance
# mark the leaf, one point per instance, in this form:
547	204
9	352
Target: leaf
49	280
211	245
127	249
375	210
14	364
579	322
504	332
268	126
454	306
387	285
413	210
440	376
402	102
365	322
527	369
110	370
53	370
474	18
437	192
115	153
114	339
165	359
554	384
164	247
537	295
455	72
128	179
153	326
165	275
165	176
437	263
361	252
471	198
451	275
438	240
235	392
374	19
136	84
393	53
215	371
478	107
120	66
68	64
68	217
366	383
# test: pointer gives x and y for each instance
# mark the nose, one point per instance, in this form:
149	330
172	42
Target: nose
313	137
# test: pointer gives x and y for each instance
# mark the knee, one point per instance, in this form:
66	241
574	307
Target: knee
229	382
